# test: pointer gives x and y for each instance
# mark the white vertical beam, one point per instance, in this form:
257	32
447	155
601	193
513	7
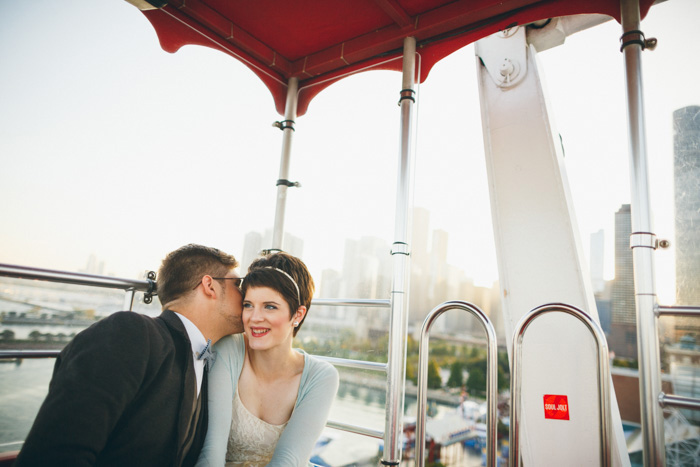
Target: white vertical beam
540	258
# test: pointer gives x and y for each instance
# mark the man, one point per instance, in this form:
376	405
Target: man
131	390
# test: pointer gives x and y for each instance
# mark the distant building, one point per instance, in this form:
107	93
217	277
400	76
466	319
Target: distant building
254	243
94	266
686	181
419	302
597	264
623	329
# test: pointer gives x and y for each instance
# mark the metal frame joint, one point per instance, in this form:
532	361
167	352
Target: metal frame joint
285	125
407	94
152	288
288	183
643	240
400	248
637	37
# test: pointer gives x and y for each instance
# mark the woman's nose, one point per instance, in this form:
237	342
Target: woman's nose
256	315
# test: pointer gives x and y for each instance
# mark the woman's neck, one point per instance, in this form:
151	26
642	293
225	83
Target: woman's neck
280	361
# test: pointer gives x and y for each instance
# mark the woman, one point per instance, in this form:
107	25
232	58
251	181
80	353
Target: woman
268	403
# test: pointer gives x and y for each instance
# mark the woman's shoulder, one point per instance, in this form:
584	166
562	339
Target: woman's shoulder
320	370
232	344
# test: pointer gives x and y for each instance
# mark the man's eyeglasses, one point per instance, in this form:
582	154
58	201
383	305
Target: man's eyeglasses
237	281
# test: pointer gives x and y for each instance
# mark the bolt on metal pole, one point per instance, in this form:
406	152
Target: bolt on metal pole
642	242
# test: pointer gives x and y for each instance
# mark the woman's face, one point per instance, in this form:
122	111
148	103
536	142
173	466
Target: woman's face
266	318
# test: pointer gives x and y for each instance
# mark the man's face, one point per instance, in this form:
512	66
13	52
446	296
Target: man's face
230	306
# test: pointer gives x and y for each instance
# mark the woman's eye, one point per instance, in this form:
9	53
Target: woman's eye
270	307
247	305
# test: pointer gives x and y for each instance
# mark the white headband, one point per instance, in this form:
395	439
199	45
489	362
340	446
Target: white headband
291	279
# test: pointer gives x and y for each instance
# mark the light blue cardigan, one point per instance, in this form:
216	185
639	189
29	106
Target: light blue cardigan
317	389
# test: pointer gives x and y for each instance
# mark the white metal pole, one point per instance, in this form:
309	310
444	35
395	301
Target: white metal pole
642	242
396	365
287	127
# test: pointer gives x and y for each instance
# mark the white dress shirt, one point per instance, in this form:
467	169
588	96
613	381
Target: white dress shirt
198	344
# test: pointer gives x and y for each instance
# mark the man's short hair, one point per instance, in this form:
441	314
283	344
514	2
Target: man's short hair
182	269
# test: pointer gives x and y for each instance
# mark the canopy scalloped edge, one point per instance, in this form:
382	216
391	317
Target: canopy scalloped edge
175	29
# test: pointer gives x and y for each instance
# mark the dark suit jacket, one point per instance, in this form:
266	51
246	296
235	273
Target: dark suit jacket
121	395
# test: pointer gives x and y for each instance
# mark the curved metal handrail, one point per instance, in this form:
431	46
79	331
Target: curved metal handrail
491	378
603	378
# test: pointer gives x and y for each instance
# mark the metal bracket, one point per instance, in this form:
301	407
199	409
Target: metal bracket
637	37
284	125
407	94
504	55
400	248
270	251
643	240
287	183
152	288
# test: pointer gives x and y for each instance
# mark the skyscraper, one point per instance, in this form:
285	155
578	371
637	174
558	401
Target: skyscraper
596	261
623	330
686	194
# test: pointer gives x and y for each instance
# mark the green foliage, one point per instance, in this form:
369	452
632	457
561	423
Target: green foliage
456	379
476	383
625	363
434	380
411	374
503	371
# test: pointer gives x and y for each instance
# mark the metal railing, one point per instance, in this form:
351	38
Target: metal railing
673	400
603	379
130	286
491	378
148	286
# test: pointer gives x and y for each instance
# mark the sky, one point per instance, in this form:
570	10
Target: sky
112	147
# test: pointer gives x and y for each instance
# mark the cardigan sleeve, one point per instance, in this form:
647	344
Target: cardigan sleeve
313	405
223	378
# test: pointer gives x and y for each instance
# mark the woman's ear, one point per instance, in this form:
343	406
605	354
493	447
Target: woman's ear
300	313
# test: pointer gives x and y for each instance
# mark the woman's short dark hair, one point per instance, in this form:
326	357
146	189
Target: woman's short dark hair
261	274
183	268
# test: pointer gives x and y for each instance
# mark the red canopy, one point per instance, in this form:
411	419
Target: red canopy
321	41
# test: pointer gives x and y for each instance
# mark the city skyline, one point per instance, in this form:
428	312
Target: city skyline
92	163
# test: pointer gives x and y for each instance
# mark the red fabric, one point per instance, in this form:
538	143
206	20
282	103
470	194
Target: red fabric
319	42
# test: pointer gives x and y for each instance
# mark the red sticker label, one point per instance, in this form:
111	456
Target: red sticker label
556	407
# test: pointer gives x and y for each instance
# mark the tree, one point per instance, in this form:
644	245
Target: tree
477	378
7	335
434	380
456	378
411	373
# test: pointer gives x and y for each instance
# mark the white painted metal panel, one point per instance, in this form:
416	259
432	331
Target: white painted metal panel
540	258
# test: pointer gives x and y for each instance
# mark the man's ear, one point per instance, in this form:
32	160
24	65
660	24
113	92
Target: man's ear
208	287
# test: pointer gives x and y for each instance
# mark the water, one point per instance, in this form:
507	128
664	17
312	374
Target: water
23	387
